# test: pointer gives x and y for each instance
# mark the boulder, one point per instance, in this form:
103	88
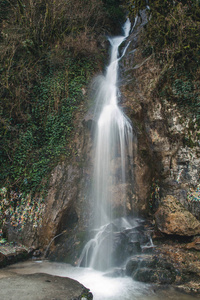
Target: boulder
151	268
42	286
154	276
11	254
172	218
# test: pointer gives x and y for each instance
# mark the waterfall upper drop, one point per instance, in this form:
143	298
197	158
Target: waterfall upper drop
112	158
113	139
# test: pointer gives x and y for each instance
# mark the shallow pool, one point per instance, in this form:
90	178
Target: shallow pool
101	286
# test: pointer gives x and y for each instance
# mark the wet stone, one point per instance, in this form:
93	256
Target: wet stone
42	286
134	247
154	275
151	268
11	254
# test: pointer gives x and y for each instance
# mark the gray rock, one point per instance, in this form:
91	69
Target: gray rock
42	287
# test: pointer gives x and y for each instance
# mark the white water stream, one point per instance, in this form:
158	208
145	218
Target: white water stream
113	137
113	151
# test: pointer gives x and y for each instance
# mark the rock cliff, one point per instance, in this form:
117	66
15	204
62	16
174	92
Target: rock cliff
166	183
166	166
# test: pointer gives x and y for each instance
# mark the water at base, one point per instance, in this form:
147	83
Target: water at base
101	286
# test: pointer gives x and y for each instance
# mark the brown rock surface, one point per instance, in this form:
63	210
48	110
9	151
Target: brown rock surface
194	245
173	218
186	261
10	254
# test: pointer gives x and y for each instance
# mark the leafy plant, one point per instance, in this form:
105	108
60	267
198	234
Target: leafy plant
48	54
172	35
35	145
43	69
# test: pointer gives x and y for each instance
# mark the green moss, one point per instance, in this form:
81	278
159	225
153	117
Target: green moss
46	59
188	141
172	35
35	144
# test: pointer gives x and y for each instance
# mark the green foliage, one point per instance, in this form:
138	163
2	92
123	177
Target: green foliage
48	54
2	241
173	30
46	59
162	7
4	10
172	35
182	87
114	10
31	148
45	21
20	210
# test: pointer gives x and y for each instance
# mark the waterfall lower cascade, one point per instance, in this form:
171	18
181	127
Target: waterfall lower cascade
113	156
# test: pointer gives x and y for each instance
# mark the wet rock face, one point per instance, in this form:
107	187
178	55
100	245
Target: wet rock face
151	268
131	241
116	242
169	262
173	218
67	211
163	158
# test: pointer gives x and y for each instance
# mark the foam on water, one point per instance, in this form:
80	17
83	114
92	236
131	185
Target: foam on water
101	286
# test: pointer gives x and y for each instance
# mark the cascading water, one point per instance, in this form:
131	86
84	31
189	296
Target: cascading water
113	139
113	156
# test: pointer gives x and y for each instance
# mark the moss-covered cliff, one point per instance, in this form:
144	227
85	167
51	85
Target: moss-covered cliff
49	52
171	36
160	93
162	89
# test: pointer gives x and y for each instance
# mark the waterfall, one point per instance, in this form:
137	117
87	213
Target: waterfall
112	157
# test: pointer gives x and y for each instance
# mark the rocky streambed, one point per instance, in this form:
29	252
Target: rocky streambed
36	286
156	261
42	280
